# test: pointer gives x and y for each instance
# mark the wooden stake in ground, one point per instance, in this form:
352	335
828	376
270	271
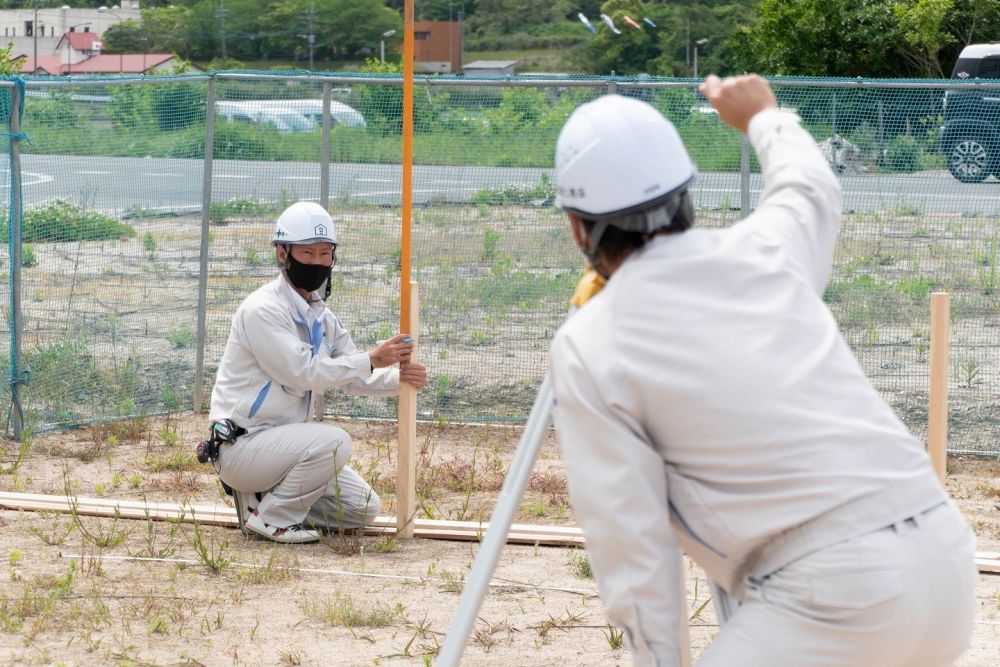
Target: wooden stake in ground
406	458
937	406
407	415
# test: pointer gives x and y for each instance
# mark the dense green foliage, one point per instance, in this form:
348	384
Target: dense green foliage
61	221
868	38
256	29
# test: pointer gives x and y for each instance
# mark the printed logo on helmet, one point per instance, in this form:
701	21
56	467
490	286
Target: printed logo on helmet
320	230
281	233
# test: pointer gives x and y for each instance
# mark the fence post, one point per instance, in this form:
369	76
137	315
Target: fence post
745	176
612	88
937	403
16	207
324	163
324	200
206	206
833	131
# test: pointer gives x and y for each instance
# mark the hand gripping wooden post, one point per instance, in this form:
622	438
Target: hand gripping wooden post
407	415
937	404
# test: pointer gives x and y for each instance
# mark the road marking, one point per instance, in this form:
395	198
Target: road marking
381	193
29	177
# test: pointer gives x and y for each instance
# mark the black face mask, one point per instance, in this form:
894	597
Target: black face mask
307	276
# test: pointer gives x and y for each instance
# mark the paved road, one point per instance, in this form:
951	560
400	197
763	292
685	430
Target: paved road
117	185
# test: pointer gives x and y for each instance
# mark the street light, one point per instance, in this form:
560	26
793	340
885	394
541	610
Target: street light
104	10
381	45
698	42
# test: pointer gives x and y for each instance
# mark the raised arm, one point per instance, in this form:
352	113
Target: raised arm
802	199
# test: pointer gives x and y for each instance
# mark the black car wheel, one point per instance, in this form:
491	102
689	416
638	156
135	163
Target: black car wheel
969	160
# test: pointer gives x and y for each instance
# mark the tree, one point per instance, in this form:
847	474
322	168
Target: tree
866	38
922	27
342	28
820	38
507	16
662	50
124	37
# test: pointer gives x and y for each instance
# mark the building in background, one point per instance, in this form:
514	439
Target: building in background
490	68
67	41
438	46
42	28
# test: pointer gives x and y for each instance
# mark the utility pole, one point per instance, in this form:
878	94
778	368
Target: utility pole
34	32
698	43
311	37
687	44
222	14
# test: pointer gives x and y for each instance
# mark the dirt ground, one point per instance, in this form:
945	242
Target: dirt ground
87	591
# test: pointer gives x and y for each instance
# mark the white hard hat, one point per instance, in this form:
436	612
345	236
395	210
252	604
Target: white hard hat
617	155
304	222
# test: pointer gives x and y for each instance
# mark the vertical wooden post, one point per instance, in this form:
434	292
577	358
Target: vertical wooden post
406	458
937	407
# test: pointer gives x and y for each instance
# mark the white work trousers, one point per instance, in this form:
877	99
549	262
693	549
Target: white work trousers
903	596
300	471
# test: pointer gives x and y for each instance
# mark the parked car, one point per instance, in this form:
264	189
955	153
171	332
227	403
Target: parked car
970	137
276	118
340	113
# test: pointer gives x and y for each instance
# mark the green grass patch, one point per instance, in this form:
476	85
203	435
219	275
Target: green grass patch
60	221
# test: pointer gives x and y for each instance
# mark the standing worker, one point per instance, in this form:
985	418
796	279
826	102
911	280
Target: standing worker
284	348
706	401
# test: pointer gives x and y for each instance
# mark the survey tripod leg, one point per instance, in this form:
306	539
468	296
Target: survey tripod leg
496	535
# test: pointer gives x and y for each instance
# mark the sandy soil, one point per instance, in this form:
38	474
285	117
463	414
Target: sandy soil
76	593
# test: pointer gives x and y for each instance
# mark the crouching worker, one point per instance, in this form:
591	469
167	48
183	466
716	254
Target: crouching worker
285	347
708	402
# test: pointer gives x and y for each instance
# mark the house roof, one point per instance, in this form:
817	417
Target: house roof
80	41
490	64
108	63
113	63
46	64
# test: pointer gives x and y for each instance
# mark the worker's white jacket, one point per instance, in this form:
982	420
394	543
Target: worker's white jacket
708	388
281	354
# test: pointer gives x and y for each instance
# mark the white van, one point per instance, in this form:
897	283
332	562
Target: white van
283	120
340	113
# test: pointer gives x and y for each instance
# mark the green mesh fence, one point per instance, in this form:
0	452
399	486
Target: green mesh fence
114	208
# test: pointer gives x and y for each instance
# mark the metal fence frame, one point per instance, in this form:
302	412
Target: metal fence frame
606	84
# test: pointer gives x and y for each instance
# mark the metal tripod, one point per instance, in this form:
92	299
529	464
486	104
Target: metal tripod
496	537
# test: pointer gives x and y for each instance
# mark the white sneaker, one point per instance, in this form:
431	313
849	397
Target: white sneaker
291	535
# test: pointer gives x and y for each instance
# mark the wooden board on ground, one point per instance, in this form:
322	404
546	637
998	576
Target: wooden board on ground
223	515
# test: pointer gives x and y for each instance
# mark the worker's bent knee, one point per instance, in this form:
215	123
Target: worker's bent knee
327	442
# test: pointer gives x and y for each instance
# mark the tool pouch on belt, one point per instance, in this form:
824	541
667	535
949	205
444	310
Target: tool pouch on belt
223	432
